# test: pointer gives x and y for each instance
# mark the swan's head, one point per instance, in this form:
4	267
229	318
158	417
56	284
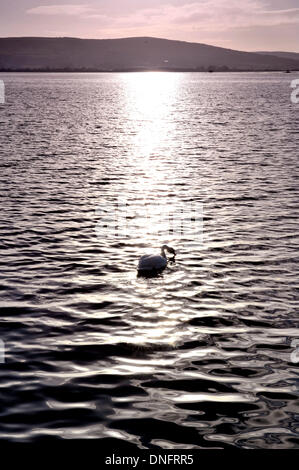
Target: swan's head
169	249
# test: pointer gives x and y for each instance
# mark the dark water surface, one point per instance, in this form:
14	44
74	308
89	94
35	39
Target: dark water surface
200	357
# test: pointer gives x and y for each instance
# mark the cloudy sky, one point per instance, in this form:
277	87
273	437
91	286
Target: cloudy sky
238	24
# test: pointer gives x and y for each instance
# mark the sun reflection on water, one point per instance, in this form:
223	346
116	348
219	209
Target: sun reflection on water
150	109
150	104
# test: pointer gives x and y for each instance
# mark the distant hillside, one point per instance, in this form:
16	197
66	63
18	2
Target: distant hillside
129	54
285	55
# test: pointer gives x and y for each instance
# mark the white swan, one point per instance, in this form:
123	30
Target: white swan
152	263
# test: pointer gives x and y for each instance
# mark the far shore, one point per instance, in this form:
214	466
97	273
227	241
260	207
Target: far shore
216	70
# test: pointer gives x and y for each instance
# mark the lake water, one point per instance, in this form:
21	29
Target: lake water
202	356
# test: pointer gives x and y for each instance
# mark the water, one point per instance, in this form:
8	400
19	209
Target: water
199	357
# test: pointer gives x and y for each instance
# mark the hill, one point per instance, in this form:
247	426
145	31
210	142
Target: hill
33	53
285	55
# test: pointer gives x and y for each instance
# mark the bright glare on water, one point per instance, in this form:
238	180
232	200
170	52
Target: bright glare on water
202	356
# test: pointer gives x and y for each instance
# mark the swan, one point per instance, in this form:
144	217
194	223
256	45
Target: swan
152	263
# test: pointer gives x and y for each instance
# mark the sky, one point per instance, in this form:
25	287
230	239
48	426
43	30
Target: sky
250	25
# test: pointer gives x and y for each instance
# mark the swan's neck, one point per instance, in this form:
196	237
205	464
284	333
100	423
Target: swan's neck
163	253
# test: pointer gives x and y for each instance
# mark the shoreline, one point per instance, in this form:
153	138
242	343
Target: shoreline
26	70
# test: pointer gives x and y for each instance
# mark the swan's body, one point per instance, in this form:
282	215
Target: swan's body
152	263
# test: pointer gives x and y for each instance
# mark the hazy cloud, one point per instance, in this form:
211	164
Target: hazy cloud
61	10
210	14
206	15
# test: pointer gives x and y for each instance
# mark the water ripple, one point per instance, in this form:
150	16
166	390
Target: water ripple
199	357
